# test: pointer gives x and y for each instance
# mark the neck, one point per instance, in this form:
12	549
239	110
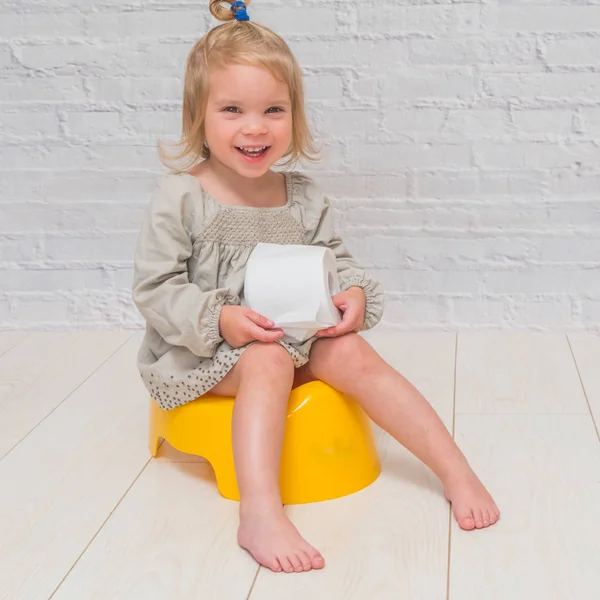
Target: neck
236	181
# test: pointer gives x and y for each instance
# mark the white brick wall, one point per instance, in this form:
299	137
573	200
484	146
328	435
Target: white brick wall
461	146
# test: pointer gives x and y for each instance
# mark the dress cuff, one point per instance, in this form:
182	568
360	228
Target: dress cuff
213	334
372	300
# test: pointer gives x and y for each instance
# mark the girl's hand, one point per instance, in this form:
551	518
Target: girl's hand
239	325
352	303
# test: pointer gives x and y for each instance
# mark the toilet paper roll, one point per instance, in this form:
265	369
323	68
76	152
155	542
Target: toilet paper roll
292	286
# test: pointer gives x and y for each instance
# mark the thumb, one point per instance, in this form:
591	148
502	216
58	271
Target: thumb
339	300
260	320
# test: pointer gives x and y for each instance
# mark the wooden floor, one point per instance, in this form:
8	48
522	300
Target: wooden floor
86	514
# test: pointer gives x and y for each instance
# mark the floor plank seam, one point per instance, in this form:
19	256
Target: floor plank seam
64	400
253	582
100	529
14	345
453	430
583	388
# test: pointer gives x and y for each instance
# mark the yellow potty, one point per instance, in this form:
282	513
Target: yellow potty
328	447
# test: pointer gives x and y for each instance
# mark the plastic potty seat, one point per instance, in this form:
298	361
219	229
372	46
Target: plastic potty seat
328	447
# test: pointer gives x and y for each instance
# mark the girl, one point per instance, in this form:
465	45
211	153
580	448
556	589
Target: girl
243	112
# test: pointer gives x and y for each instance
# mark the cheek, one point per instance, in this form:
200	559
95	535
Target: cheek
218	131
283	129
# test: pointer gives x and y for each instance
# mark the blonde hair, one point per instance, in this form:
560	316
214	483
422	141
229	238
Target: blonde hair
237	42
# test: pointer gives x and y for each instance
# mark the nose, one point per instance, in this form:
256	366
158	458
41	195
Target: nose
254	125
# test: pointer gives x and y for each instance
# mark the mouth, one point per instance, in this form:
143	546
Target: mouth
253	152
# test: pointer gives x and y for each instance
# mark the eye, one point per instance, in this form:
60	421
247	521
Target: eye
231	109
275	109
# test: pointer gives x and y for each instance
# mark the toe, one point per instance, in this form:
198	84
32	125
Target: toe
465	519
305	560
296	563
478	518
272	564
286	565
486	517
317	561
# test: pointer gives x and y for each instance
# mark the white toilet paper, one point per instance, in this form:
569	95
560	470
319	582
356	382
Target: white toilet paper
292	286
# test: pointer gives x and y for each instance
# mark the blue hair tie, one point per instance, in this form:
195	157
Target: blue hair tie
239	10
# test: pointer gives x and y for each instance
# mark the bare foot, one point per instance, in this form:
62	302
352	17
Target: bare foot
275	543
472	504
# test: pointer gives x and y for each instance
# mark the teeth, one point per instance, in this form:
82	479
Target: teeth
252	148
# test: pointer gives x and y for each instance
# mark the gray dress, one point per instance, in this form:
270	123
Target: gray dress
190	261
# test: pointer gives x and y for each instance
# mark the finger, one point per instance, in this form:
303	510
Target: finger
262	335
340	329
348	323
260	320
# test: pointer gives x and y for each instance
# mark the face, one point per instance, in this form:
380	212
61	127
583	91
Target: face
248	119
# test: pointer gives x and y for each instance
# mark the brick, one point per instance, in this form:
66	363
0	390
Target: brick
365	186
116	247
51	279
427	83
418	310
542	280
418	120
476	123
37	24
350	53
565	86
107	308
142	57
580	51
104	186
21	185
550	155
89	125
591	121
428	281
28	126
6	59
146	23
543	122
447	184
40	308
135	88
5	314
389	17
573	249
44	88
590	309
571	184
478	311
40	217
546	19
391	157
366	86
519	51
445	254
323	87
544	312
291	20
351	122
19	249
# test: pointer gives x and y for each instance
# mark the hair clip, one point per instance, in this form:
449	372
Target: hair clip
239	10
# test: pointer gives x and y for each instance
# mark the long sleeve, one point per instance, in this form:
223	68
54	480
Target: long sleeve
178	310
350	272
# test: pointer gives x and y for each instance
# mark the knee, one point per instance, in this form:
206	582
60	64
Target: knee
352	351
267	360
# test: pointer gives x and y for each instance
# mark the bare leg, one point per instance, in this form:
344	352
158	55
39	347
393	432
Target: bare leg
263	379
349	364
